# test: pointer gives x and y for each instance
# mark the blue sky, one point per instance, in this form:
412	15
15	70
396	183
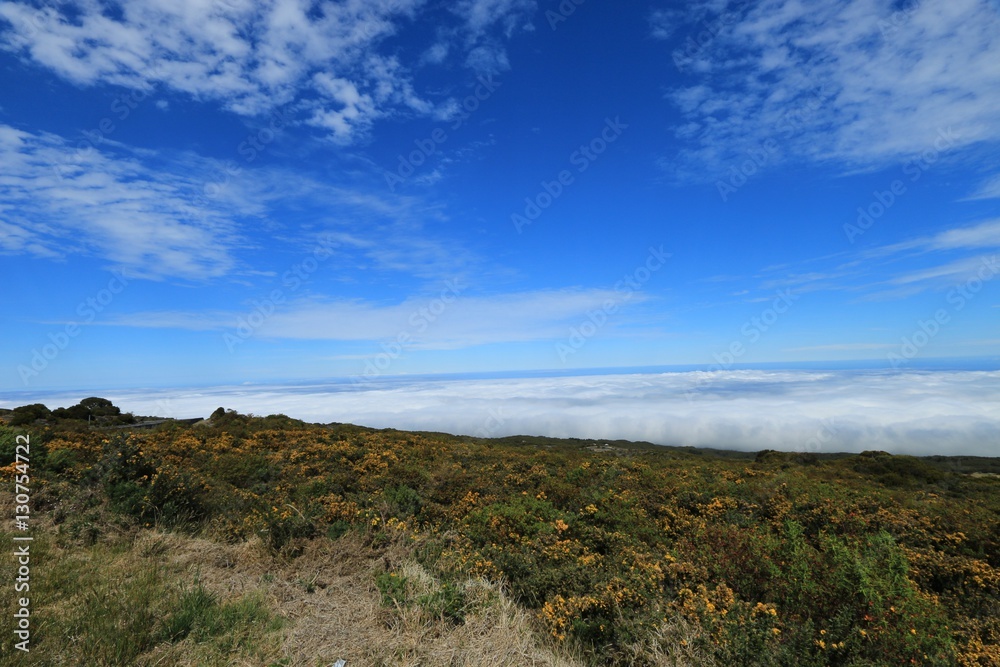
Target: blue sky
227	192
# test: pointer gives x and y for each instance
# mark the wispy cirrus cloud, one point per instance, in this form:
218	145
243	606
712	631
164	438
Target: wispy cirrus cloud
858	84
983	235
988	189
844	347
931	262
157	216
56	200
951	273
948	257
463	321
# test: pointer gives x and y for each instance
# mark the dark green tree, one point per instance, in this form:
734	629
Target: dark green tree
92	407
29	414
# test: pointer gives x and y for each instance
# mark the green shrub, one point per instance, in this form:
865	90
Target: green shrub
146	489
403	501
448	602
394	589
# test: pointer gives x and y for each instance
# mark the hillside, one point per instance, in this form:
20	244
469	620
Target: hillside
269	541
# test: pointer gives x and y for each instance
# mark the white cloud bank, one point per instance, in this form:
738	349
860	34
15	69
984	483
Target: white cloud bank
923	413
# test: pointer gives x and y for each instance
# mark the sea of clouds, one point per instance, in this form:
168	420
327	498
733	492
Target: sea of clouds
915	412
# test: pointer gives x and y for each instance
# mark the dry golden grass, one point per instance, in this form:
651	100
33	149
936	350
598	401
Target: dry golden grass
674	644
334	610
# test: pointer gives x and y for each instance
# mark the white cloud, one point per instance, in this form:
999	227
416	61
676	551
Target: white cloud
481	15
989	189
353	108
954	272
968	241
252	57
912	412
978	236
983	235
936	261
488	59
57	199
386	233
438	320
180	215
843	347
486	53
663	23
854	82
437	53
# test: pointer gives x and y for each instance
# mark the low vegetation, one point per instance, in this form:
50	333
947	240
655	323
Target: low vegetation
317	543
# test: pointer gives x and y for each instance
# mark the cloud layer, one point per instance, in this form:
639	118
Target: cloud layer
913	412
